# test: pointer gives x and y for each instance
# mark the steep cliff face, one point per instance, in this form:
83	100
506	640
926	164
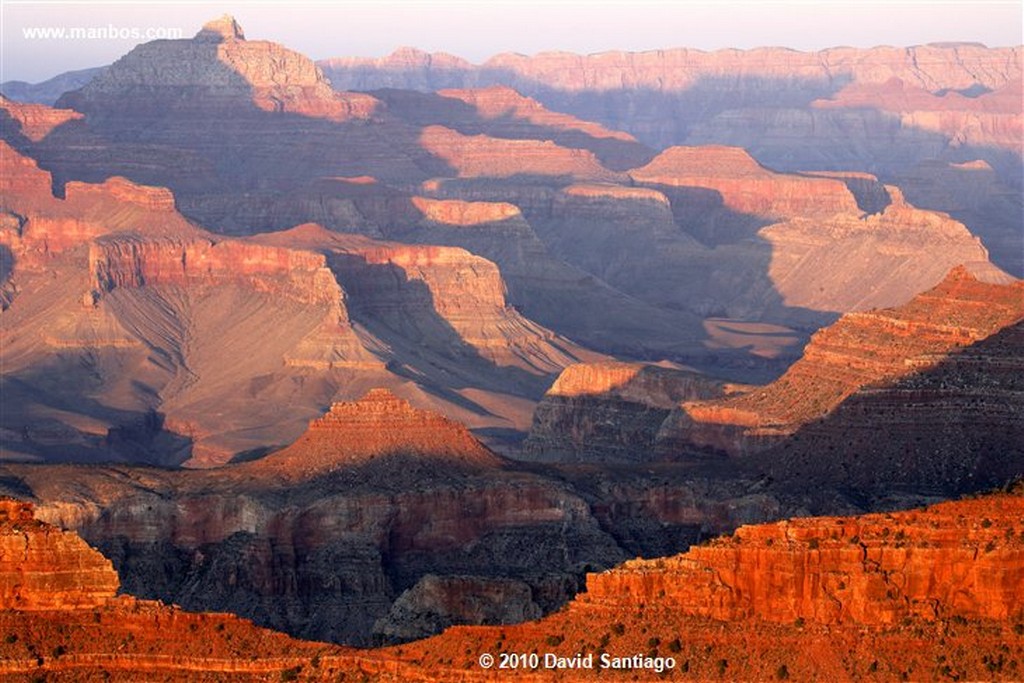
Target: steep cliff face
44	568
882	110
217	69
156	320
610	412
58	610
502	112
438	298
35	121
738	183
938	353
854	598
609	86
132	262
488	220
875	570
484	156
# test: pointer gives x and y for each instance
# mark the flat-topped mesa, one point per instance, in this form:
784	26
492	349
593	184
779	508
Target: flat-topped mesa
463	213
123	190
44	568
215	71
610	411
377	425
129	261
482	156
860	351
743	185
36	121
962	559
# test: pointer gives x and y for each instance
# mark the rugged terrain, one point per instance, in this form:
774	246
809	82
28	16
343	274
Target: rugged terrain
883	110
927	593
159	321
939	376
357	531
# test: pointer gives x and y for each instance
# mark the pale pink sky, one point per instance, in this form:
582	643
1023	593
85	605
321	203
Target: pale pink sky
477	30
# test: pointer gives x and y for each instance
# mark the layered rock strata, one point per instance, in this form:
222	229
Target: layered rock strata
44	568
610	412
937	377
850	598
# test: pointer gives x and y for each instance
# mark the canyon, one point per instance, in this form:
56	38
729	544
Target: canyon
438	360
842	597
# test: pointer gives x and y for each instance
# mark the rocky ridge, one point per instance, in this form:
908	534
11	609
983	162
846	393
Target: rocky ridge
862	353
850	598
610	411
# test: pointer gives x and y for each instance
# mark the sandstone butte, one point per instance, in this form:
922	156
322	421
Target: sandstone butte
501	112
862	352
226	69
611	411
377	426
929	593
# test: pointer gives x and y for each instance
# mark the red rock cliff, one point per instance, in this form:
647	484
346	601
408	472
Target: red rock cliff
44	568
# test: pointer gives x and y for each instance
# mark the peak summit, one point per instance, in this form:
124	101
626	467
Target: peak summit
377	425
221	29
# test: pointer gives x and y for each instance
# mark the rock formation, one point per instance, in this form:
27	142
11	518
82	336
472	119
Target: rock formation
935	375
35	121
58	611
882	110
874	570
435	603
610	412
922	593
501	112
44	568
736	182
484	156
217	68
376	426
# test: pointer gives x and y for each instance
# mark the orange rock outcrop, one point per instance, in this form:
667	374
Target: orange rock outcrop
44	568
36	121
928	594
376	426
964	559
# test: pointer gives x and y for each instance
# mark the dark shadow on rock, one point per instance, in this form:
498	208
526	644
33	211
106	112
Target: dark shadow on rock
425	109
402	313
953	429
44	409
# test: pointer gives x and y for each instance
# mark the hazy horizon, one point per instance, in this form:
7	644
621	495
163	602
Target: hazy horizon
476	32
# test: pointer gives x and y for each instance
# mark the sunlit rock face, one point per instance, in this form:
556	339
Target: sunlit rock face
44	568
